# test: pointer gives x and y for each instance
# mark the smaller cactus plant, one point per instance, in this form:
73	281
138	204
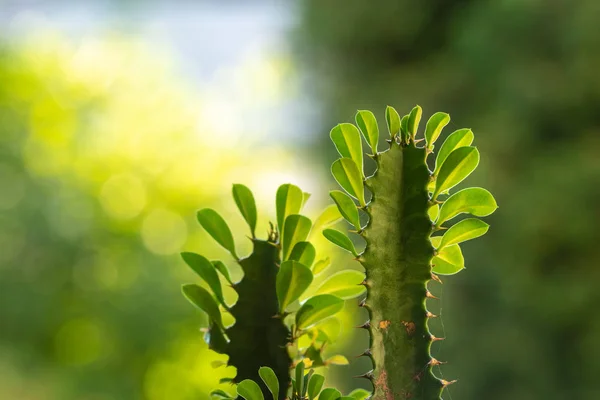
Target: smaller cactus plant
276	326
305	386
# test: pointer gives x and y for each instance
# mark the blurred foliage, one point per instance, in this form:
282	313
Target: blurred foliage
103	163
522	321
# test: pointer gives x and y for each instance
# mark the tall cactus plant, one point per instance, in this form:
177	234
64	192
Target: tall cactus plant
408	206
272	311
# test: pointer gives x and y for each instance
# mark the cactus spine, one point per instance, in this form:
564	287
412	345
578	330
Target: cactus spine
401	255
271	313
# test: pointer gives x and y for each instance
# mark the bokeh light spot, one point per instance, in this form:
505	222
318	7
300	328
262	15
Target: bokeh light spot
123	196
80	342
164	232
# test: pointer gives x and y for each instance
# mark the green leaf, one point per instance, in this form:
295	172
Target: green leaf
321	265
464	230
393	121
305	197
348	176
222	268
315	384
305	382
244	199
304	253
220	394
475	201
206	270
293	279
433	212
434	127
202	299
300	378
340	239
295	229
328	217
270	379
459	138
288	200
346	139
414	118
249	390
216	227
448	260
316	309
347	208
360	394
343	284
330	394
459	164
338	359
368	126
404	128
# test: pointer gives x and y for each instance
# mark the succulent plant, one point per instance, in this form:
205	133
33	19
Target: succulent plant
407	205
276	324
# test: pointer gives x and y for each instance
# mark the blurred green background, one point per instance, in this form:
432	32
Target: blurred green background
119	119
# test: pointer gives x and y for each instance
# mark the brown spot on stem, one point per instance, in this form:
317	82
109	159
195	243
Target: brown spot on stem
383	325
381	383
410	327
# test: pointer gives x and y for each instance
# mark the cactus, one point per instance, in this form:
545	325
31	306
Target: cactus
271	315
403	248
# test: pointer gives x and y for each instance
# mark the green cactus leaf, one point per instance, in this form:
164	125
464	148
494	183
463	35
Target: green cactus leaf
321	265
249	390
404	129
295	229
244	199
293	279
434	127
360	394
462	231
413	121
340	239
304	253
459	164
343	284
346	398
202	299
367	123
288	200
315	384
216	227
346	139
215	338
317	309
305	197
206	270
220	394
330	329
347	208
459	138
433	212
393	121
270	379
305	383
337	359
349	178
330	394
222	268
328	217
475	201
300	378
449	260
